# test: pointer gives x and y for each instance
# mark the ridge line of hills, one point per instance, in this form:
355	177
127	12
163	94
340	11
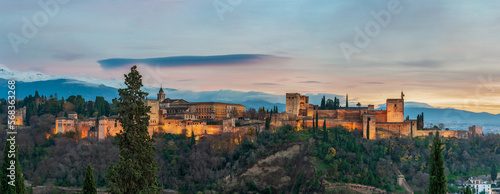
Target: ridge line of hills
64	87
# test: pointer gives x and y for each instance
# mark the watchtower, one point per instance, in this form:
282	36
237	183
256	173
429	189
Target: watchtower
293	103
395	110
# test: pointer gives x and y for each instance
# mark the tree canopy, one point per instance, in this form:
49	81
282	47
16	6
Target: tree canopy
136	170
437	179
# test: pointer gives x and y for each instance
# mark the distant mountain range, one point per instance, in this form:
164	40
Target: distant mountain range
32	76
455	119
89	88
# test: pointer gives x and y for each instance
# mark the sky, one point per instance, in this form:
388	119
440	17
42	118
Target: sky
443	53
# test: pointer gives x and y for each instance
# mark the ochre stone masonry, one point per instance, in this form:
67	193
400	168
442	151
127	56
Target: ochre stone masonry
166	116
179	116
374	123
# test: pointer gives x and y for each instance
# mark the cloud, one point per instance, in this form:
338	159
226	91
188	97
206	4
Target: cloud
67	56
229	96
185	80
266	84
84	83
179	61
371	82
310	82
422	63
409	105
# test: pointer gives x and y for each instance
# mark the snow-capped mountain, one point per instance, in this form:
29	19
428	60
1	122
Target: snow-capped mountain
33	76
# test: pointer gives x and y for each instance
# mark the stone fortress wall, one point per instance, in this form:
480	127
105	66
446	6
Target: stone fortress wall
375	124
177	116
166	116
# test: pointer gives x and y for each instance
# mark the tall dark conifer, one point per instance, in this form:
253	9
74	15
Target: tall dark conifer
268	122
347	100
494	172
4	180
468	190
418	121
5	186
193	138
136	170
325	131
313	127
437	178
323	103
89	185
316	121
20	186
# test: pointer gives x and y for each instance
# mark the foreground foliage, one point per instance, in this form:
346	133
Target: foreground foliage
136	172
89	186
184	166
437	179
6	184
346	157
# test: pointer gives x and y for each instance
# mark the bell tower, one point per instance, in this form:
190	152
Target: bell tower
161	94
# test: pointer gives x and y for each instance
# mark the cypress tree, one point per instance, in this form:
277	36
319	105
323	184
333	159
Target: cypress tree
317	126
347	100
468	190
313	129
5	181
193	140
268	122
136	170
325	132
28	115
418	121
99	105
20	187
335	105
89	185
323	103
437	178
494	172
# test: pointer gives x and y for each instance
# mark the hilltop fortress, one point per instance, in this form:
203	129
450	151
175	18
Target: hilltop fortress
166	116
179	116
375	124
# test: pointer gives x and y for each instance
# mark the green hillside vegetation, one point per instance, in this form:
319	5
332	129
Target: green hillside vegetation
198	166
186	164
